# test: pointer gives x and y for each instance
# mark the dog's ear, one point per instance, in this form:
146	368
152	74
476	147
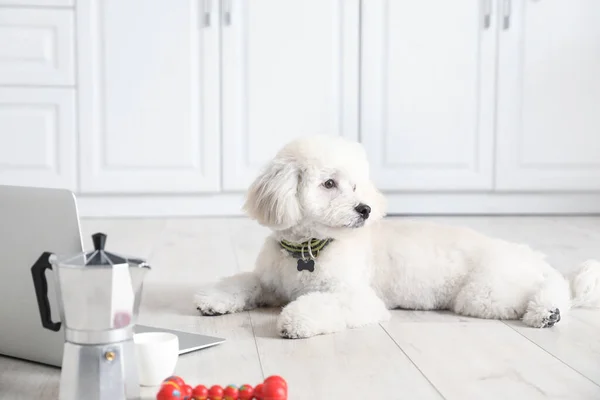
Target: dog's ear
272	198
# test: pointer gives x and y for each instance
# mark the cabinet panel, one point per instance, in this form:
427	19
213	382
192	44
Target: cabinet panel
37	138
149	97
428	93
290	68
36	47
549	96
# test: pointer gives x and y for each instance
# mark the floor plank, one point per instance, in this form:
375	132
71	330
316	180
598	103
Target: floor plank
191	252
129	237
352	364
247	238
23	380
463	358
468	360
234	362
574	341
567	241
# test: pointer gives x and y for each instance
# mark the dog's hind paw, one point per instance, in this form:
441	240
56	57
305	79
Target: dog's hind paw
542	318
551	319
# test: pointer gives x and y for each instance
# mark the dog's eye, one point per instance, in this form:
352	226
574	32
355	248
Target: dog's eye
329	184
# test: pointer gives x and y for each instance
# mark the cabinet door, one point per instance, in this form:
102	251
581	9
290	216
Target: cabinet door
37	137
549	96
427	93
149	96
36	47
290	68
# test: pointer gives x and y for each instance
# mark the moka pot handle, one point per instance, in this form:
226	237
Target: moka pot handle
38	272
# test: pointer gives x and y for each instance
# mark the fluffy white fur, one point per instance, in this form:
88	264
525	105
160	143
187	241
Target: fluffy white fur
372	266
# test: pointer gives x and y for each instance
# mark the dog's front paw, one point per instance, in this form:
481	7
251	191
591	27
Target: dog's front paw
298	320
292	326
212	304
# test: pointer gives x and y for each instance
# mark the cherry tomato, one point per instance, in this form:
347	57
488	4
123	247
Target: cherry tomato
246	392
258	391
231	393
176	380
215	393
186	392
274	391
200	392
276	380
168	392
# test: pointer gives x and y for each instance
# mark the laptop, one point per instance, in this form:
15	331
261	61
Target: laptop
33	221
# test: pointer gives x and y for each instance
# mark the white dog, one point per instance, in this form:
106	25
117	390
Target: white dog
333	263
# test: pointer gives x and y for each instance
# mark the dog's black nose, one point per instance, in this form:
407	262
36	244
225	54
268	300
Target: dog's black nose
364	210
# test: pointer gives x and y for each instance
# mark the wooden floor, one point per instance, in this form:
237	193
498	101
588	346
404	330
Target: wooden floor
417	355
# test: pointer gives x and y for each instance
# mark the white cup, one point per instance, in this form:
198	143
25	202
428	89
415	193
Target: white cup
156	356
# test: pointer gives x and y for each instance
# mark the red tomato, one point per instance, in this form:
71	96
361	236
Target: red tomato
276	380
258	391
177	380
168	392
215	393
246	392
186	392
274	391
231	393
200	392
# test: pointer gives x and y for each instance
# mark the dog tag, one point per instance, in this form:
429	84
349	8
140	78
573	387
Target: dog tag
308	265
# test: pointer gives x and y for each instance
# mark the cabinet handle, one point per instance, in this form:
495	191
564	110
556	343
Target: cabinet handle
506	15
206	12
227	12
487	14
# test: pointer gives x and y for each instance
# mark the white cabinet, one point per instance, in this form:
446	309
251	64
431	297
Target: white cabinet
36	47
148	97
153	94
549	96
41	3
37	137
462	106
290	68
427	94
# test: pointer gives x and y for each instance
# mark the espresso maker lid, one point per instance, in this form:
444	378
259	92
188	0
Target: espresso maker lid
99	257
